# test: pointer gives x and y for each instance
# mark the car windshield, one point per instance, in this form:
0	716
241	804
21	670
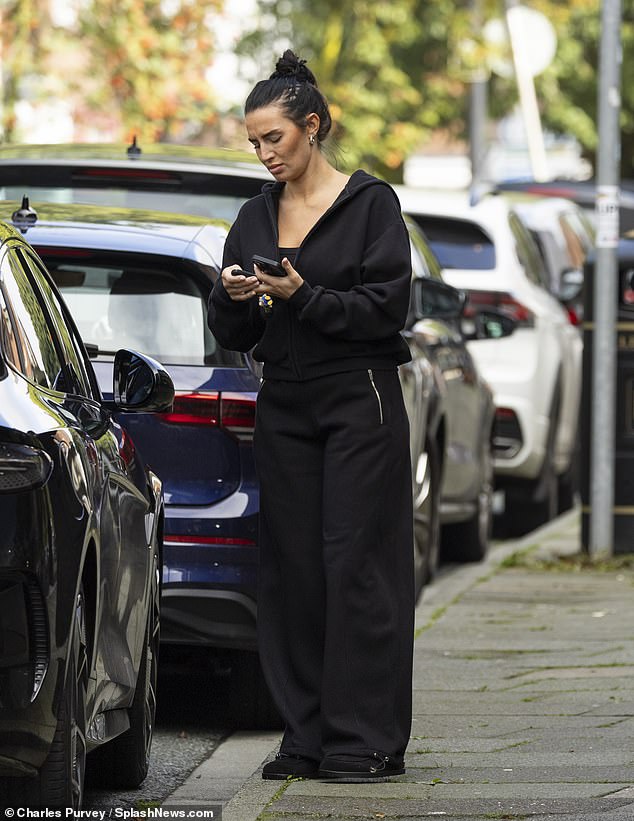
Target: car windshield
206	204
159	310
458	243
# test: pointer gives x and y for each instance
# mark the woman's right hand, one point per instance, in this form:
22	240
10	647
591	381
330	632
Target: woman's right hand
239	285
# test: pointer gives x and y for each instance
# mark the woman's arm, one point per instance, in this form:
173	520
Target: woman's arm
235	321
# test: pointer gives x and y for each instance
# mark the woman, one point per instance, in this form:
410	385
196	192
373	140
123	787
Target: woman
336	586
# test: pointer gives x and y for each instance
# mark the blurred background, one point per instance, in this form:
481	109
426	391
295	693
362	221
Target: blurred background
400	77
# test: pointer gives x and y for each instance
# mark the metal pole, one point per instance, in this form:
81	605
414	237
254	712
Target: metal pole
477	108
603	404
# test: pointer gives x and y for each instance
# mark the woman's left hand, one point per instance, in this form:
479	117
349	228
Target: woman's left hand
281	287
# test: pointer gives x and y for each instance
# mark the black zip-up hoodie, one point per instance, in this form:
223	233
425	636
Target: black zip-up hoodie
348	313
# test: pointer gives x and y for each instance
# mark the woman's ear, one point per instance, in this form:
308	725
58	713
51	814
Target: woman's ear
312	123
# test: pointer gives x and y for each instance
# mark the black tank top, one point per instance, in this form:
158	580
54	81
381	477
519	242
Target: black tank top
289	253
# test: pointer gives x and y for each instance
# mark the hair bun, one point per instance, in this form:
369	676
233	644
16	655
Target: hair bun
289	65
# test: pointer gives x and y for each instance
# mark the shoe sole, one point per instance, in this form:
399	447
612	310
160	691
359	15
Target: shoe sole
357	778
287	776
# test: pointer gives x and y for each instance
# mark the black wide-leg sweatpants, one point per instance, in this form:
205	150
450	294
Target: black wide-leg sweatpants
336	579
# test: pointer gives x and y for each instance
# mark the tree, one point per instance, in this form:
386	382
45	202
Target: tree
148	60
23	28
369	60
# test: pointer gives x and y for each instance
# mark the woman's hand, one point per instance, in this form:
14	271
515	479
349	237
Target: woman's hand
238	284
281	287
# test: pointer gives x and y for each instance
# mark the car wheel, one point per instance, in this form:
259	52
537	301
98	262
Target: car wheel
124	761
530	506
61	780
427	518
469	541
252	703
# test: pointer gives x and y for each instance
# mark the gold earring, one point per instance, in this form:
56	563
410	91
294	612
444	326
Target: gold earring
311	139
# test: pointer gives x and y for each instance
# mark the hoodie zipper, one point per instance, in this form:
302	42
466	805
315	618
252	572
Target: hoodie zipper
378	395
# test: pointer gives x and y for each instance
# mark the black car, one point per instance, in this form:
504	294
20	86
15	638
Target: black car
80	551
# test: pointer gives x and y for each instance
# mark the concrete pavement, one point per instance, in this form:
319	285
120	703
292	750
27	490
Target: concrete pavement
523	703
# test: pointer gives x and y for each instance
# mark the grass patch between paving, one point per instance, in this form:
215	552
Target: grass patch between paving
528	559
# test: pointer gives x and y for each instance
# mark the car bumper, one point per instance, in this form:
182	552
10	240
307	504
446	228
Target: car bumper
512	369
209	577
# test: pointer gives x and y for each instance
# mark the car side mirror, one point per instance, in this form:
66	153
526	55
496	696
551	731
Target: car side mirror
140	383
487	324
570	284
433	299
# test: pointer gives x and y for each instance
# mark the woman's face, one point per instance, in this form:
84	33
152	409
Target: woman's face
280	145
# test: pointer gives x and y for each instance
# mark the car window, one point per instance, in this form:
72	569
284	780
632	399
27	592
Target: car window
528	253
457	243
156	307
39	359
205	204
80	380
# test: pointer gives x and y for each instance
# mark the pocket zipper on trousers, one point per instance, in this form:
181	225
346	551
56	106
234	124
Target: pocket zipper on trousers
378	395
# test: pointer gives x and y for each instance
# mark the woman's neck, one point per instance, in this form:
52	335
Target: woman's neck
319	177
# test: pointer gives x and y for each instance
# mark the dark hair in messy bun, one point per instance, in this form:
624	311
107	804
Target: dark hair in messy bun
294	87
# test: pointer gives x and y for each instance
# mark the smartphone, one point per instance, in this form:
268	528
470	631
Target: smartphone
269	266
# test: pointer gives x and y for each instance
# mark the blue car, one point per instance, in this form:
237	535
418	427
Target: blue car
80	551
141	280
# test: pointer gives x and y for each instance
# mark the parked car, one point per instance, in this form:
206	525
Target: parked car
143	278
565	236
582	192
535	372
467	410
211	183
80	551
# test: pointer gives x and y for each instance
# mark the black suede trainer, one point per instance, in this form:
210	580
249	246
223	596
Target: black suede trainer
357	770
286	766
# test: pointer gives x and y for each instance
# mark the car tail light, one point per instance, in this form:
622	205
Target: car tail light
151	176
170	538
194	409
507	434
237	414
45	251
23	467
231	411
501	301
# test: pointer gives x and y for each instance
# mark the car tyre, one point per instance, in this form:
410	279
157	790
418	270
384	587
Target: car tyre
427	521
124	761
469	541
61	780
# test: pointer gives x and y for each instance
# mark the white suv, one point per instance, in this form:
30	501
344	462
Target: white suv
535	373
